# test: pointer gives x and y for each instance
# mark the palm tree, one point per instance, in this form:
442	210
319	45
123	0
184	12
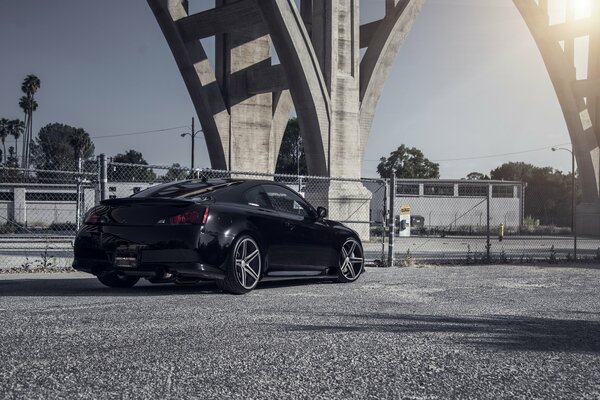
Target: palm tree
81	143
16	127
4	132
30	86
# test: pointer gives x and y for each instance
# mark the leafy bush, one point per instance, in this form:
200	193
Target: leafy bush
8	228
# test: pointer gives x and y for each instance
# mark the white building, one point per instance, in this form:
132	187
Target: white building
457	204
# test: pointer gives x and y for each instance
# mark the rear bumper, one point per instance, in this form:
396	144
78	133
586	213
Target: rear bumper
150	251
150	264
192	270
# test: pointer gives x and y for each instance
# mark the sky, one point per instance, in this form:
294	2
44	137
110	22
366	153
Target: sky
468	84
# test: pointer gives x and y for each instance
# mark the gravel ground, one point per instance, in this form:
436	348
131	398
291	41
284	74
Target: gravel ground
416	333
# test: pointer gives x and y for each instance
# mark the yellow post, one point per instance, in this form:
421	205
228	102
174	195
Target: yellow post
501	232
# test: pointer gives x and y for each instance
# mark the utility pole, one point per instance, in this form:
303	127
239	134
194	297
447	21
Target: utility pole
193	139
573	200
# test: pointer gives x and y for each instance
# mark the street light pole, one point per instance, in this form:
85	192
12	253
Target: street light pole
573	200
192	134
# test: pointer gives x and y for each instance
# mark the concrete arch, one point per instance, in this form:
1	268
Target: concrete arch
383	40
579	99
198	77
244	103
243	120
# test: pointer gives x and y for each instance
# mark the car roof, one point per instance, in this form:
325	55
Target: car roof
232	188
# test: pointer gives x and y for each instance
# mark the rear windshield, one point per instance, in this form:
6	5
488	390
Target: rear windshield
185	189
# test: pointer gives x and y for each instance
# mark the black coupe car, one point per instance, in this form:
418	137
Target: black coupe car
235	232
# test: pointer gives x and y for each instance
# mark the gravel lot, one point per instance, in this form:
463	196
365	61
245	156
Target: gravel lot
417	333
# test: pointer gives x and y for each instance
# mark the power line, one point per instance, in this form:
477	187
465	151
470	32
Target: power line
140	132
502	154
493	155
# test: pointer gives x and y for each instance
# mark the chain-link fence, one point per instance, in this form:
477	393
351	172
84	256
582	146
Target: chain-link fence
433	221
462	221
41	210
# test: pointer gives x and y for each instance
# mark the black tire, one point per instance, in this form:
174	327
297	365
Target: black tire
241	277
115	280
354	260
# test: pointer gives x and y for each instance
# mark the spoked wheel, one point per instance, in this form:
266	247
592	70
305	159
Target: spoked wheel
115	280
352	261
244	267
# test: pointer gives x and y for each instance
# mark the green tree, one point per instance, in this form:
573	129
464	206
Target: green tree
548	191
409	163
12	161
58	146
81	143
477	176
130	173
291	151
29	87
176	173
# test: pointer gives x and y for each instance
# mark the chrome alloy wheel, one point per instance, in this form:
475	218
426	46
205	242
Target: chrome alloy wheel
351	259
247	263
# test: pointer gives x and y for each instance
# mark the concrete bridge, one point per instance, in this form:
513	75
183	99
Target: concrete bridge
244	102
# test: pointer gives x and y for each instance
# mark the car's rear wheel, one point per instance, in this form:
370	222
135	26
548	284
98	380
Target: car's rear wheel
115	280
352	261
244	267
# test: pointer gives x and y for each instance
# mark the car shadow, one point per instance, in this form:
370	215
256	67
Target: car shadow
86	287
499	332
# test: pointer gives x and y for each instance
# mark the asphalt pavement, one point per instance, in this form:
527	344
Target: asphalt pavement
476	332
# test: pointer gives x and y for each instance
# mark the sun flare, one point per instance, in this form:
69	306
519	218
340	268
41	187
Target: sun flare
582	8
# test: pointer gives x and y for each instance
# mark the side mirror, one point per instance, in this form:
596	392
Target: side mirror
321	212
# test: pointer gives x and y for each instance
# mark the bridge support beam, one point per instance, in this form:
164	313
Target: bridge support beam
242	129
578	99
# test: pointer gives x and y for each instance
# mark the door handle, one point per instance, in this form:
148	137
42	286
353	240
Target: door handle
289	225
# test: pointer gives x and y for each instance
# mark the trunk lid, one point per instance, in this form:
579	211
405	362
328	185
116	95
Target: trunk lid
142	211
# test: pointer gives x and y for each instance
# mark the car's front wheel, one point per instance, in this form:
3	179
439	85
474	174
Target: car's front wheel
244	267
115	280
352	261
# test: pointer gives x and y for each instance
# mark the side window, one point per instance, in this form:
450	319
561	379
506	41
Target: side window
257	197
285	201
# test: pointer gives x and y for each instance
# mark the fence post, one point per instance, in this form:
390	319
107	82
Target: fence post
103	176
392	220
78	195
488	244
384	219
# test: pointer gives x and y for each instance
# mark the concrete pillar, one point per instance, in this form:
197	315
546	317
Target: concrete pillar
335	27
238	52
20	206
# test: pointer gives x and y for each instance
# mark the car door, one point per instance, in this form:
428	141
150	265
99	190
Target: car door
264	218
304	244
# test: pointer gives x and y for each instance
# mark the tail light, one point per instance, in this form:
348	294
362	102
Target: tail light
95	216
92	219
193	217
